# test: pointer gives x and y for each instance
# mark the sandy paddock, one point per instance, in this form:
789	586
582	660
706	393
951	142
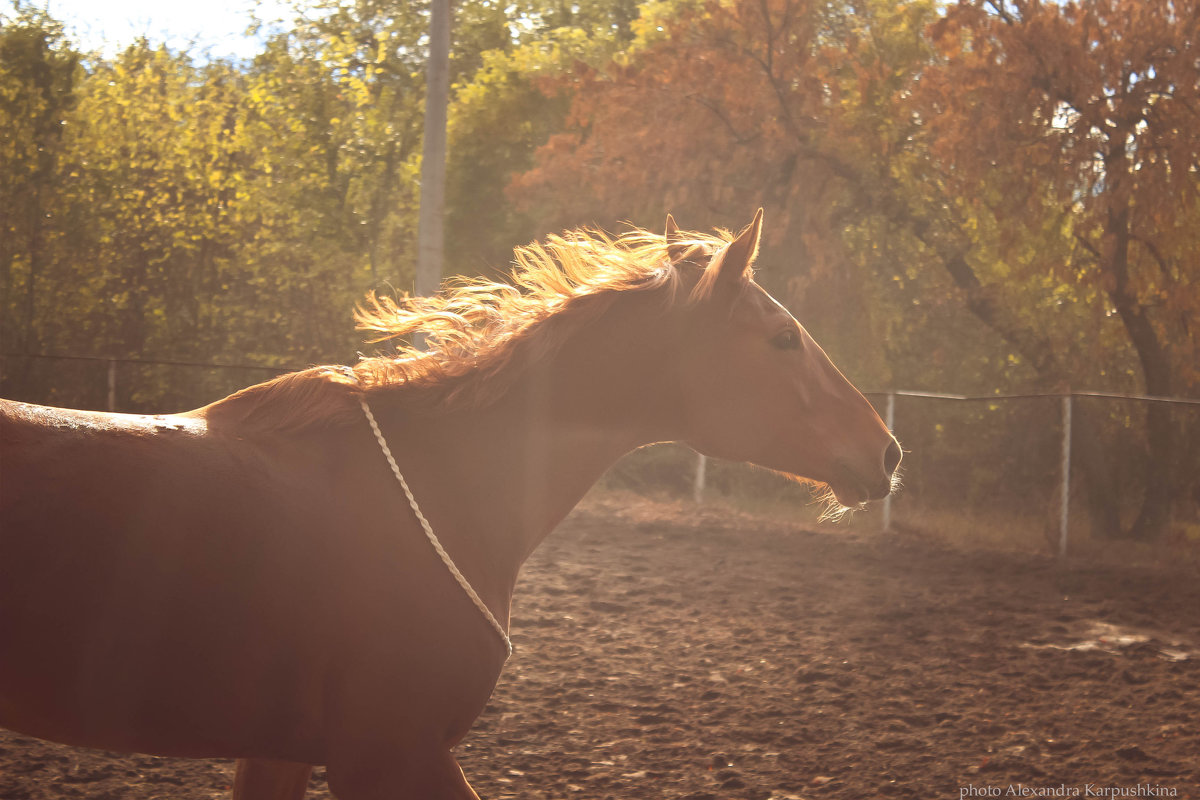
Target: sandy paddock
665	652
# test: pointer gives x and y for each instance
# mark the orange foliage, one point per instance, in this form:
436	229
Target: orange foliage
1090	111
1093	106
730	108
719	106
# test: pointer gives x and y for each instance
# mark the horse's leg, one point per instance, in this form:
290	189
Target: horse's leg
404	775
263	779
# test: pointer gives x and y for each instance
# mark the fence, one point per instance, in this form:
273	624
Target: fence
1067	400
81	388
1000	459
946	457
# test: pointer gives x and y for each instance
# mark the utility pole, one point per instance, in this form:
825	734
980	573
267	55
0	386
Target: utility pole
430	227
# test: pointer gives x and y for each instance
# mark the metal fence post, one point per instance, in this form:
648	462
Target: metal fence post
698	481
889	419
112	384
1064	506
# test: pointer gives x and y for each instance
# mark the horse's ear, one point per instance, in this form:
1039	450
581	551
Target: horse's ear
676	249
672	228
733	263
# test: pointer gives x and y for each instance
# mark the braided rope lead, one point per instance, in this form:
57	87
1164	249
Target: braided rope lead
429	534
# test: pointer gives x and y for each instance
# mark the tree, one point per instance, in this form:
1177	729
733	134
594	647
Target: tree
38	74
499	117
788	104
1089	109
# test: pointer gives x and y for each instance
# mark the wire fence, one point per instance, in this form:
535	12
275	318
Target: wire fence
1067	401
126	384
1055	472
983	464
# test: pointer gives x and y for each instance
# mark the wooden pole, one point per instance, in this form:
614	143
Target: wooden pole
430	223
889	419
1065	504
700	478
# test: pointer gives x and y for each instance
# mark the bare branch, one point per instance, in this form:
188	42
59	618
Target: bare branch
714	108
1164	265
1091	248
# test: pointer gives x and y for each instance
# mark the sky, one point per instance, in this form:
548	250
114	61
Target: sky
215	26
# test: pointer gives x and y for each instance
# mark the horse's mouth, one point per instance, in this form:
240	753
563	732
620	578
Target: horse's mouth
852	491
850	495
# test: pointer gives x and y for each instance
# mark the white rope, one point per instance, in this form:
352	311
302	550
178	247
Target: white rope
433	540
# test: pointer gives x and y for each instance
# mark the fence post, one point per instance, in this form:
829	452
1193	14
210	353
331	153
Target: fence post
112	384
1064	506
889	419
698	481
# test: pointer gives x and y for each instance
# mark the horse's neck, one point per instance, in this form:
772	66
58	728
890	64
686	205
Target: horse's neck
513	469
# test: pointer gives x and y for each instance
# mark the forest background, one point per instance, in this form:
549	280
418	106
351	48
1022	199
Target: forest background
989	196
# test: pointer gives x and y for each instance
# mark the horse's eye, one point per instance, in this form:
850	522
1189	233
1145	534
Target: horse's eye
788	340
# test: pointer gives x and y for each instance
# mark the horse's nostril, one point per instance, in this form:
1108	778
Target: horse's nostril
891	457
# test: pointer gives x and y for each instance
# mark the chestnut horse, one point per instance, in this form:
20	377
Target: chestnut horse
247	580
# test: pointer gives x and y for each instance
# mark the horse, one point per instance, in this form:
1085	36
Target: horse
249	580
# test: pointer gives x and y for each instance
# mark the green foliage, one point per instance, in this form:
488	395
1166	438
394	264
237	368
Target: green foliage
159	206
511	105
38	77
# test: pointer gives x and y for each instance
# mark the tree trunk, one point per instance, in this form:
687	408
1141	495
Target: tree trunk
1156	369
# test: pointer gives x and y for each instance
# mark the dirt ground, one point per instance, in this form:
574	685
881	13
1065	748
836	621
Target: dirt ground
666	652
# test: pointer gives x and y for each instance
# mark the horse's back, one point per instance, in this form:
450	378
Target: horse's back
64	471
142	560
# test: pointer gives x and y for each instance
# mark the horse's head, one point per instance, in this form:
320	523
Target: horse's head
757	388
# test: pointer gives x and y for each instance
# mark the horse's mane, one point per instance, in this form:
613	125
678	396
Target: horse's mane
478	334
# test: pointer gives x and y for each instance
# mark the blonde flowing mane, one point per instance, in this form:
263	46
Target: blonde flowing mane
479	335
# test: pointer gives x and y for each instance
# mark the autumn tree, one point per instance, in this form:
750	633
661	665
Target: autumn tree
500	115
148	174
789	104
1088	113
38	74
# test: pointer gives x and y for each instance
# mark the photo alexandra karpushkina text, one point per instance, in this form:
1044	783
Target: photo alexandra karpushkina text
1065	790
